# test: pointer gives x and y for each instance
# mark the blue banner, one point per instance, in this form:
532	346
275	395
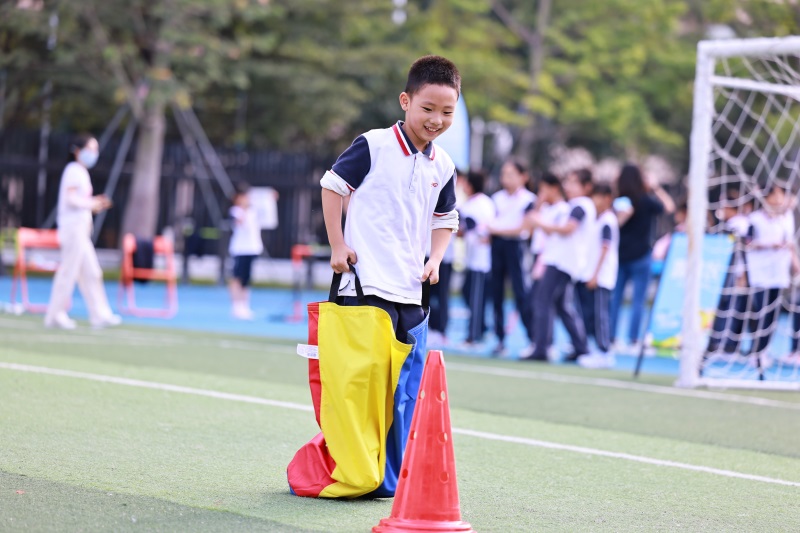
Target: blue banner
667	313
455	140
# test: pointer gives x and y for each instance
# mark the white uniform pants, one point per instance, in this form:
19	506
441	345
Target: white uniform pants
79	265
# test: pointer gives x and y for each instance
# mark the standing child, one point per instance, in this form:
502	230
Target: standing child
476	214
603	264
552	208
567	249
729	318
771	257
244	247
512	202
402	192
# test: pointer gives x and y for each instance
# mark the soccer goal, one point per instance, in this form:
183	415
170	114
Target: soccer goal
745	142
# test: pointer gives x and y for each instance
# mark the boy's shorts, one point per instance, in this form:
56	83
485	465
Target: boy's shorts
405	317
242	267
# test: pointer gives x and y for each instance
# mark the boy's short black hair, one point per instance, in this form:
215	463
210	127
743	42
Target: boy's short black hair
772	187
584	176
476	180
520	165
551	180
240	188
432	70
548	178
602	189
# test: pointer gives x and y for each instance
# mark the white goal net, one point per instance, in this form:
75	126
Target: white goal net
744	179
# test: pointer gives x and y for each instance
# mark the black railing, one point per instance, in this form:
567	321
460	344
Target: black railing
294	175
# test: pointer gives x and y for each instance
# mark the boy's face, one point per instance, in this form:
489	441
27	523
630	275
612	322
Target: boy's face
776	200
429	112
548	193
726	213
602	202
512	179
573	187
242	200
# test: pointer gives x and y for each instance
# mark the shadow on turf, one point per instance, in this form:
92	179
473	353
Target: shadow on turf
33	504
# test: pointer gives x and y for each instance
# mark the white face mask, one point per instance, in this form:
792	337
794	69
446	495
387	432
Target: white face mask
88	158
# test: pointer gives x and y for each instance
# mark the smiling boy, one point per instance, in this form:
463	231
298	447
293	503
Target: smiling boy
402	190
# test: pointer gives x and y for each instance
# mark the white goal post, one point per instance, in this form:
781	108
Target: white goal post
745	134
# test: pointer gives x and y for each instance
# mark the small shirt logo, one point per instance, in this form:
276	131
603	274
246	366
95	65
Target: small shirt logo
434	184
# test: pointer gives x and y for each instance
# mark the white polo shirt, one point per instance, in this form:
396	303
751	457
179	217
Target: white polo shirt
398	195
78	212
511	207
246	232
476	214
606	232
770	268
556	213
569	253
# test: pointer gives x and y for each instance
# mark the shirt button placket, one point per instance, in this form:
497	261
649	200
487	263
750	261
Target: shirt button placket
414	175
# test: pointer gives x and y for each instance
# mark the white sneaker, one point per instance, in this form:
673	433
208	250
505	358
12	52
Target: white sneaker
241	312
527	351
110	320
597	360
436	339
60	321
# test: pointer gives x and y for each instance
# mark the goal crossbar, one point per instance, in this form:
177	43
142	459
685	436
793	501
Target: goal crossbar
760	86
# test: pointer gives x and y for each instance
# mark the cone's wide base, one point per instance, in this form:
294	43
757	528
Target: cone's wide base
399	525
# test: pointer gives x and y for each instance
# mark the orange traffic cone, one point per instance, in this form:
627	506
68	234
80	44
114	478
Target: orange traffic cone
427	491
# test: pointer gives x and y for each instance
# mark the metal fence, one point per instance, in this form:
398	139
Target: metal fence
182	205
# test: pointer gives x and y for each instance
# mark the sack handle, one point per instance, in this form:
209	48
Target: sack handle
333	295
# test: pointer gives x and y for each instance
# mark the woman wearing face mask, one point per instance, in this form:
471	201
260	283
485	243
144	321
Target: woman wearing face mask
79	262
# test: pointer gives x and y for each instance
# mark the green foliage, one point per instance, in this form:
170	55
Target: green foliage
613	71
312	74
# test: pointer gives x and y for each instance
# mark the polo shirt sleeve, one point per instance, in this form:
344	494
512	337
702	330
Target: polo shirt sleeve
73	181
528	208
605	234
445	214
350	168
577	213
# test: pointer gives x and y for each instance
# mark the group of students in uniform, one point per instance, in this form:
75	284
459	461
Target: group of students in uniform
573	234
762	267
577	266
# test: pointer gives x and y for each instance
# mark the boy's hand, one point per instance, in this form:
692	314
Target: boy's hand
342	257
592	284
431	272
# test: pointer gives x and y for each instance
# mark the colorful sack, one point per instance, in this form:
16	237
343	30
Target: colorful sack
364	388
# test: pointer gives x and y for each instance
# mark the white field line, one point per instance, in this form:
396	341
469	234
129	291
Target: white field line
623	385
135	337
155	386
73	338
468	432
624	456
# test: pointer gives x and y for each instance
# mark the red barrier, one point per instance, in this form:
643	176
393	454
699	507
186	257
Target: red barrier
30	238
163	247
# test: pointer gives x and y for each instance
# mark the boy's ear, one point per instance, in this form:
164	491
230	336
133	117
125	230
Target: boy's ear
405	101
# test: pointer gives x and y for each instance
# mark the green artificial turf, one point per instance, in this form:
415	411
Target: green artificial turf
83	455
